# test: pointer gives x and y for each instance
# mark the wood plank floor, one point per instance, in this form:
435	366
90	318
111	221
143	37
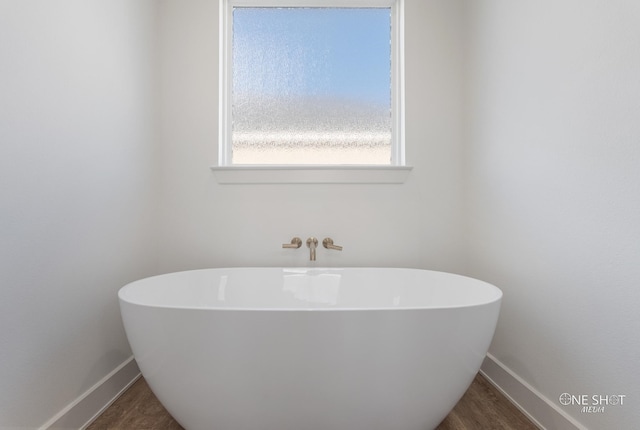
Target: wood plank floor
482	407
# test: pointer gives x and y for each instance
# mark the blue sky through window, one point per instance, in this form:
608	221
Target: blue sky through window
313	51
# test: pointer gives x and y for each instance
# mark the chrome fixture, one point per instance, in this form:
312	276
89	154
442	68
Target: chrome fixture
312	243
327	242
296	243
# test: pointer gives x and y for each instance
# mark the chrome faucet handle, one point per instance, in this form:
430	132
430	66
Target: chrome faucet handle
327	242
296	242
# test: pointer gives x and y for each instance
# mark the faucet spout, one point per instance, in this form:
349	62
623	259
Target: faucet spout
312	243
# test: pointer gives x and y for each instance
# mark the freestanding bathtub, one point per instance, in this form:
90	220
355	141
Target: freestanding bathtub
309	348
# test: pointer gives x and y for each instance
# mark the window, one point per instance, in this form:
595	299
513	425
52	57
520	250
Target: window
306	82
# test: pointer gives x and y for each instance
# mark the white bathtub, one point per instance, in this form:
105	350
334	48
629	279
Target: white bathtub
308	348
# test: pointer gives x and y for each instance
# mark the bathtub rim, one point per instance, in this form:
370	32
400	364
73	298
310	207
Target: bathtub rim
493	297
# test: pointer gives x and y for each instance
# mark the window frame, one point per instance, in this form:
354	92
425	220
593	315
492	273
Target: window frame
226	80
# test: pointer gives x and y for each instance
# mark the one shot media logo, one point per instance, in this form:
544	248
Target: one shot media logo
592	403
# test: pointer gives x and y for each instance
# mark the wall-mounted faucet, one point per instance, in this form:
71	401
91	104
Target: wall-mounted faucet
312	243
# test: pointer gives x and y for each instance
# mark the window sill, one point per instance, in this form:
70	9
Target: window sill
313	174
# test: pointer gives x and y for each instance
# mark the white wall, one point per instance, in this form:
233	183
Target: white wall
77	190
554	193
521	126
210	225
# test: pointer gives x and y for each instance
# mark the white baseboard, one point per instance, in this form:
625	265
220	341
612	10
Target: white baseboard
86	408
539	409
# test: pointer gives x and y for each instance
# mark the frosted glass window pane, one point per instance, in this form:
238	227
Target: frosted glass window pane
311	86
